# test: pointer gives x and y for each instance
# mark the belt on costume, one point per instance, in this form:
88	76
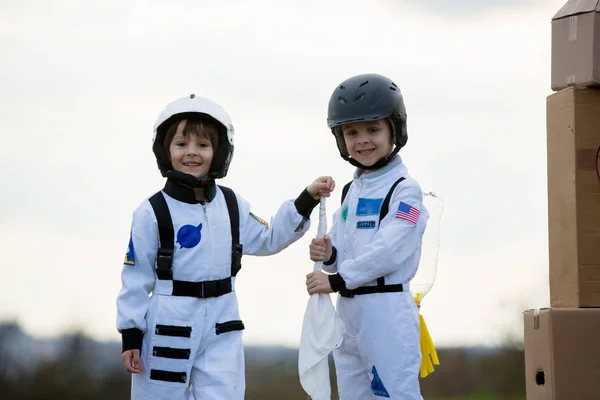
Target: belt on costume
371	289
203	289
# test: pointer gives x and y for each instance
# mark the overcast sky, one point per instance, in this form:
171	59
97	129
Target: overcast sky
82	84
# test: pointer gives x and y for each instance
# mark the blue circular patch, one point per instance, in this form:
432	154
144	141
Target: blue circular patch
189	236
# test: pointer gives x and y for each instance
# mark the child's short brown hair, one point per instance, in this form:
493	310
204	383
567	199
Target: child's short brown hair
196	126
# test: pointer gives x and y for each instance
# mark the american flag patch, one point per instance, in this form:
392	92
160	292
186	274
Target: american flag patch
408	213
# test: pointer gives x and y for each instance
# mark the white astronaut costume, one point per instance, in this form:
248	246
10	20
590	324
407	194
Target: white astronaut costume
380	354
190	333
376	253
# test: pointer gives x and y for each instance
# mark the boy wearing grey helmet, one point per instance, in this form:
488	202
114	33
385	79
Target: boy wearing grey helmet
374	246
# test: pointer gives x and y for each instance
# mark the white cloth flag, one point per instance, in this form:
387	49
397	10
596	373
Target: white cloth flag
322	331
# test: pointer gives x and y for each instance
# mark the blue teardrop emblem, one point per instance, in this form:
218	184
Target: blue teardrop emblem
189	236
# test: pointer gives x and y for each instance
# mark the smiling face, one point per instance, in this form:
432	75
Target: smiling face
368	141
192	152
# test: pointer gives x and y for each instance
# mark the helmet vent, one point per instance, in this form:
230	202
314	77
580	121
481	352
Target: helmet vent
342	100
364	83
394	85
360	96
342	87
393	88
192	96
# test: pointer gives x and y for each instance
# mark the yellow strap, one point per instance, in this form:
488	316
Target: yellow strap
428	353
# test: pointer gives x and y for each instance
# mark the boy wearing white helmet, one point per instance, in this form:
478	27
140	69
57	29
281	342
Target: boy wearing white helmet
374	245
177	309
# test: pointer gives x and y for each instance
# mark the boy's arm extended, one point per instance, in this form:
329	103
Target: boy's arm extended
289	224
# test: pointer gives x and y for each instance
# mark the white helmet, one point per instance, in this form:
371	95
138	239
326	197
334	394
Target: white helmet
190	106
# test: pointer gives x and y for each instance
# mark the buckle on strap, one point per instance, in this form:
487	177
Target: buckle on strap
236	258
164	264
208	289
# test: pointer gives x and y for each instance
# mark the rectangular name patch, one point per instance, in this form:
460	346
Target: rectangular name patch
368	206
365	225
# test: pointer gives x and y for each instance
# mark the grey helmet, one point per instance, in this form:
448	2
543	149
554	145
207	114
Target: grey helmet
367	97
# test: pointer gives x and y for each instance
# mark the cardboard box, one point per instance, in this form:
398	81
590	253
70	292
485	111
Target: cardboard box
576	45
562	354
573	139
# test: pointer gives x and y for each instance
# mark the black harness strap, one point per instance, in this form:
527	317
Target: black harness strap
164	258
381	286
382	213
386	202
345	190
234	221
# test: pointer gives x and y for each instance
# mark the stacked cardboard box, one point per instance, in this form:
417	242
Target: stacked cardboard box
562	343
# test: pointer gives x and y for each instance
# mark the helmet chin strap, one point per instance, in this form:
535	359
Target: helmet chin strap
189	180
379	164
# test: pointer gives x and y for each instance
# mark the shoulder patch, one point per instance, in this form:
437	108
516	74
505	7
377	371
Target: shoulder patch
408	213
262	221
130	255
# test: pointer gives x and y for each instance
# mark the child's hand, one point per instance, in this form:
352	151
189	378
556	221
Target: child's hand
320	249
318	282
321	187
131	361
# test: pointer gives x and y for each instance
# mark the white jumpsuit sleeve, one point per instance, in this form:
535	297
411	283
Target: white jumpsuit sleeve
287	226
137	276
392	245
